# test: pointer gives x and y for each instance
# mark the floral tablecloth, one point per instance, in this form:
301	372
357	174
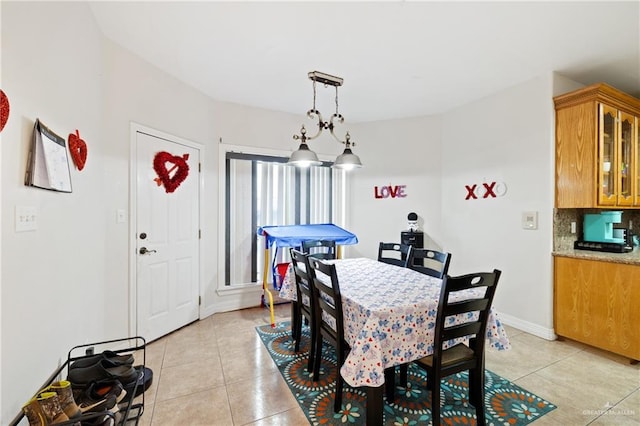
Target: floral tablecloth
389	315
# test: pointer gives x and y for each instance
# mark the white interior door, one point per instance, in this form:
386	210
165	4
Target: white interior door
167	239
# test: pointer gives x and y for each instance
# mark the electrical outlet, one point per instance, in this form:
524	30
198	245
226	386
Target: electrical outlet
573	228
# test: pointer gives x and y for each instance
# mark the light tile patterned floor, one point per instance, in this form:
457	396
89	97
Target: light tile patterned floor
217	372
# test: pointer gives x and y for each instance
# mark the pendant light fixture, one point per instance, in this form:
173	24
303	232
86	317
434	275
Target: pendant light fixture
305	157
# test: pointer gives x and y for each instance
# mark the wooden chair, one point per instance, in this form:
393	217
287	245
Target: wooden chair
434	263
437	265
395	254
329	320
461	357
304	306
321	249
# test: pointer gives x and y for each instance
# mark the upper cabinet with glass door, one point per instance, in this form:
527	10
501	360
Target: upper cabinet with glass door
597	158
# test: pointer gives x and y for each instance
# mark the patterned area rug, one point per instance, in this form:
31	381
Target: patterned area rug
505	402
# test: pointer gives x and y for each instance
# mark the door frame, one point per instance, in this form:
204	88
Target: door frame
133	210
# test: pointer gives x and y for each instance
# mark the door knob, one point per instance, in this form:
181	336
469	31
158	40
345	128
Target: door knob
143	250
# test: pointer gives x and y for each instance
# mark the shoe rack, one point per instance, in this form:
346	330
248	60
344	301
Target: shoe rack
131	407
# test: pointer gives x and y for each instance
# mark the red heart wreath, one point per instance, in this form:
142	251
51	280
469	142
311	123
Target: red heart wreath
160	166
78	149
4	109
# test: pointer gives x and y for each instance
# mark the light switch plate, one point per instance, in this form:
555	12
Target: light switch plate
26	218
121	216
529	220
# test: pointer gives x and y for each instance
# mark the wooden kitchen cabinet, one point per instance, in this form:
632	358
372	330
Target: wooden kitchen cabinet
598	303
597	154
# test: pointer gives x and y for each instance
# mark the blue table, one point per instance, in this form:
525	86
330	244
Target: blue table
293	236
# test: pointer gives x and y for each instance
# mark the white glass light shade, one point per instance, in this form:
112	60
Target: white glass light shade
347	160
304	157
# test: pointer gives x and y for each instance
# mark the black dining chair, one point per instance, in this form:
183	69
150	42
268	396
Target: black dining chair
305	306
329	320
431	262
428	262
321	249
461	357
395	254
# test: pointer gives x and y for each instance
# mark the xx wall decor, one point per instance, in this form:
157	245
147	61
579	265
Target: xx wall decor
485	190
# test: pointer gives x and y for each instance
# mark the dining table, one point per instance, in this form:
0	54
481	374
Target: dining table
389	319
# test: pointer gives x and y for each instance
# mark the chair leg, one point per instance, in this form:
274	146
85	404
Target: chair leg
435	401
337	405
317	358
296	326
312	349
476	393
390	383
404	369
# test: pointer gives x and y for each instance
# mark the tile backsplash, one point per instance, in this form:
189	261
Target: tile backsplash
563	238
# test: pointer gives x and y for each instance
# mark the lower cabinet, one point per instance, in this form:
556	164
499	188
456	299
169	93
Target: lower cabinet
598	303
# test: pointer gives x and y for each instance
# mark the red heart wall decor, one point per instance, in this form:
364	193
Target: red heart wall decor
171	183
78	149
4	109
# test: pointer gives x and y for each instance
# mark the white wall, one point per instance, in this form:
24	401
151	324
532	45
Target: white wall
396	152
54	279
506	137
68	282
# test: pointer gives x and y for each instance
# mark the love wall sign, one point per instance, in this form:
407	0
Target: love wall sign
390	191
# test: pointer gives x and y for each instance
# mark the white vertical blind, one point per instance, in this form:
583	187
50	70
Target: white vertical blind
316	196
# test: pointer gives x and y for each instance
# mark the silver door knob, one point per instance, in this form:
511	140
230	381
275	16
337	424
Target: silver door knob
143	250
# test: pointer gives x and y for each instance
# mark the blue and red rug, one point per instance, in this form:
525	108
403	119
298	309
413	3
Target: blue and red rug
505	402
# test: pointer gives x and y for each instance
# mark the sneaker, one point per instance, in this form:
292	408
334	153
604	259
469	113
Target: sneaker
109	388
100	396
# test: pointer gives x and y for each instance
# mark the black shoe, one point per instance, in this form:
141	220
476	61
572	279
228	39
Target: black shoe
98	419
145	378
114	360
103	370
100	396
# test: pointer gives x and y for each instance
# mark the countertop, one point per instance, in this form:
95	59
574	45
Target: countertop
631	258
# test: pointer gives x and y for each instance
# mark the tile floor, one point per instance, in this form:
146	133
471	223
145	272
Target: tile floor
217	372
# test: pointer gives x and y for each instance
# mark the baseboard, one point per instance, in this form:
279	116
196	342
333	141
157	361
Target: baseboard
227	301
529	327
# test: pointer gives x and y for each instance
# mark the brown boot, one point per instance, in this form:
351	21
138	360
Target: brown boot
34	413
50	405
65	396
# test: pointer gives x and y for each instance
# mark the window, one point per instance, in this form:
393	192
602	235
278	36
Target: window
263	190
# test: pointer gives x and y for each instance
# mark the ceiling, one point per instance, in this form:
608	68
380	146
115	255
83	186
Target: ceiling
398	59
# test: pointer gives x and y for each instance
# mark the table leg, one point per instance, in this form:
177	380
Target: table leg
375	405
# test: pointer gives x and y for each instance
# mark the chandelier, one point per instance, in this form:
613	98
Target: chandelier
304	157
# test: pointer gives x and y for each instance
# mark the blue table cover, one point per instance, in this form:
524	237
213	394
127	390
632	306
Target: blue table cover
294	235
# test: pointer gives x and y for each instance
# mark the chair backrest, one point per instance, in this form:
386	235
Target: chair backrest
433	262
321	249
303	278
481	288
395	254
329	301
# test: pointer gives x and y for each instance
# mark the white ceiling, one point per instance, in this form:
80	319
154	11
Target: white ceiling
398	59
